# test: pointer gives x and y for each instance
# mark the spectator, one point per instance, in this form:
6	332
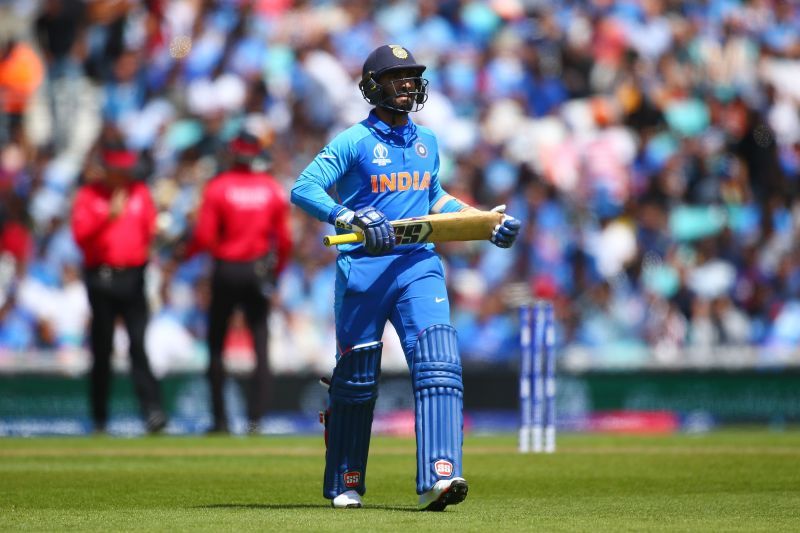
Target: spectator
21	74
647	126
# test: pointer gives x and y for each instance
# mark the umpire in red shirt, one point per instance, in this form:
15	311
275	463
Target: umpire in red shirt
113	222
244	223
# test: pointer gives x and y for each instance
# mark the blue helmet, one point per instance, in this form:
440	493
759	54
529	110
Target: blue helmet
384	59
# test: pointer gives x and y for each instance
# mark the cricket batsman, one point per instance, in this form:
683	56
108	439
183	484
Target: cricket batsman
386	168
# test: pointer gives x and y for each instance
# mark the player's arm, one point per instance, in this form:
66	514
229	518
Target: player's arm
310	190
439	200
328	167
445	203
503	235
309	193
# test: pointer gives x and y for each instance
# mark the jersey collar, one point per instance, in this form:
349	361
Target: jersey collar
404	131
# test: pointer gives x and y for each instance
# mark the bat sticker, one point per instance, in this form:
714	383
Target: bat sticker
412	233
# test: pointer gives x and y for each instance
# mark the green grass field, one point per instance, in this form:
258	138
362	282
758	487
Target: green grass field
722	481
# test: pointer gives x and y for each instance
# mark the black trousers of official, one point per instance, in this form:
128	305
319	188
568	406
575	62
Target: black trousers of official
247	285
115	293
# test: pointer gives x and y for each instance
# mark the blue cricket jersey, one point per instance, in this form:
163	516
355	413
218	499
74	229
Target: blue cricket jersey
394	169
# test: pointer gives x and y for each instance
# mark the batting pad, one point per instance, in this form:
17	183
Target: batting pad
439	399
352	395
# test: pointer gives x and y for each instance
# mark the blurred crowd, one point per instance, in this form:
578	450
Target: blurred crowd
651	148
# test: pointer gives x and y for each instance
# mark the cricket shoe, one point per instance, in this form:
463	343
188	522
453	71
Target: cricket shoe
445	492
347	500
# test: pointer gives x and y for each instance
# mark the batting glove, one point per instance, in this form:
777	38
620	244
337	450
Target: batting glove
342	218
378	232
505	233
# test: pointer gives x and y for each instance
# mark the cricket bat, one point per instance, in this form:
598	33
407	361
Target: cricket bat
471	225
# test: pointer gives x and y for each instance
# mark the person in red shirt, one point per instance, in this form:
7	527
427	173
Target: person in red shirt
243	222
15	237
114	223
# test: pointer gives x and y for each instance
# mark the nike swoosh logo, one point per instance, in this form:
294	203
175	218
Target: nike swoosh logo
439	300
326	156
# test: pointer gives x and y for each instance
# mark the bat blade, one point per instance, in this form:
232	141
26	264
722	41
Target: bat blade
461	226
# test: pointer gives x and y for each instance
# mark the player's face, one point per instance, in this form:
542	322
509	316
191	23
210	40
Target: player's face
398	85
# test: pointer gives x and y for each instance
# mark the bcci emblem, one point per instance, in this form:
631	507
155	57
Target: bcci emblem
421	149
380	152
398	51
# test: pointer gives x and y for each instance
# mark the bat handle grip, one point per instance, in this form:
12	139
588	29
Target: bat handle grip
344	238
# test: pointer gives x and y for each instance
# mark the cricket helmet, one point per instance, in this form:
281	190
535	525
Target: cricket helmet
385	59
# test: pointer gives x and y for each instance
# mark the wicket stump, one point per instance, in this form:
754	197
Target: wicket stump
537	378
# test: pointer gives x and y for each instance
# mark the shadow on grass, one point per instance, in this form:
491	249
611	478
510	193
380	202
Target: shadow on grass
306	506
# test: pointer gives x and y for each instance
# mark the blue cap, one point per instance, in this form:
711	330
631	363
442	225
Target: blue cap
390	57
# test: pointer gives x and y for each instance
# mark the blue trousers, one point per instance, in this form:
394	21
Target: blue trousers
409	291
406	289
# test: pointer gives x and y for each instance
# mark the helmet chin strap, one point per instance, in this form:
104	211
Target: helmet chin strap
392	116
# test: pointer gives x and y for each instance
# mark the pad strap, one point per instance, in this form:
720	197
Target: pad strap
439	399
352	395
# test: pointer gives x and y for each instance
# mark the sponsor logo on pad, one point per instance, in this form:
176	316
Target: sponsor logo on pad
443	468
352	479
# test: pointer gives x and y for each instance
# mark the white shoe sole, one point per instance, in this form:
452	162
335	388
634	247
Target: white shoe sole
347	500
444	493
